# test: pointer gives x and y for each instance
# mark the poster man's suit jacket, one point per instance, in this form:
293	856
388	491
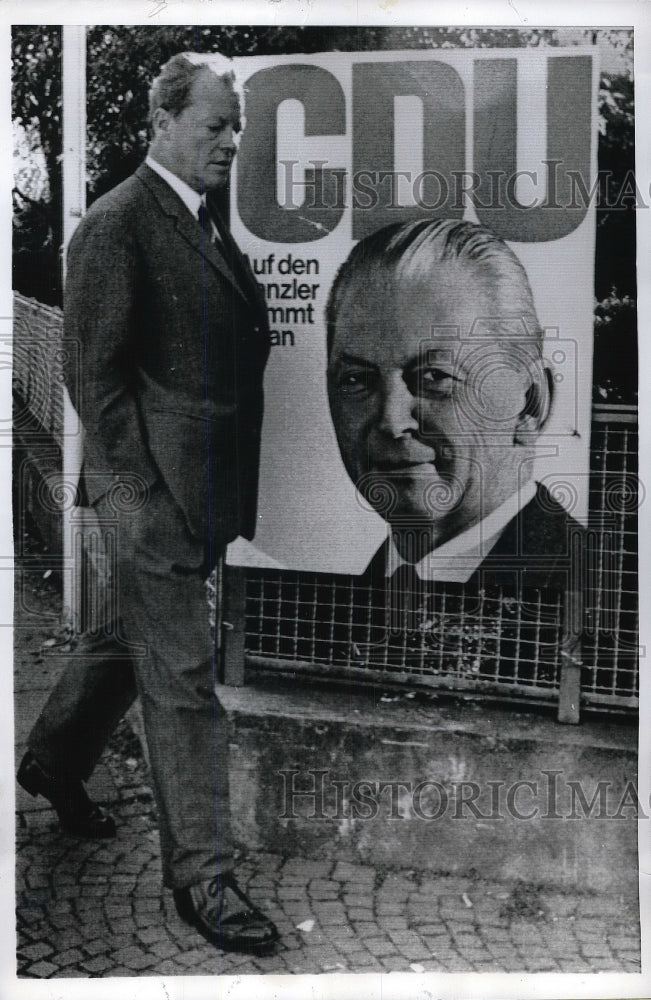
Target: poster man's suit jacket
540	547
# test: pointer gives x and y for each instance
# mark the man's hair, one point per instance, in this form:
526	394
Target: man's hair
172	88
415	250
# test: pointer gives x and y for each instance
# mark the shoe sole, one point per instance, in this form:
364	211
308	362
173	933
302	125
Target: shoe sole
33	788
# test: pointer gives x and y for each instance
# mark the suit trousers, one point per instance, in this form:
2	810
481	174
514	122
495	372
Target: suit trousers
158	643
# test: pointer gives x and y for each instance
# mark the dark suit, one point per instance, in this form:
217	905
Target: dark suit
173	340
509	610
534	550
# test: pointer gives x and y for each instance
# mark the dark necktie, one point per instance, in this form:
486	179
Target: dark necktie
406	601
205	221
217	234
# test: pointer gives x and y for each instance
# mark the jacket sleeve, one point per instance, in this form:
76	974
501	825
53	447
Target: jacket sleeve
100	322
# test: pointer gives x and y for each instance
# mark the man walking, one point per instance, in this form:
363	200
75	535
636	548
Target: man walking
173	340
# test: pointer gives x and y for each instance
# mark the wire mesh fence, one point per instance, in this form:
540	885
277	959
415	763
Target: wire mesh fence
483	639
610	644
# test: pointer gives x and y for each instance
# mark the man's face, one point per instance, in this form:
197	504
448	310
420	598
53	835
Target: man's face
422	405
199	144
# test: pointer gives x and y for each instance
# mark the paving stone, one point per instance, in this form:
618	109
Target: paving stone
31	914
527	934
323	895
37	950
620	943
380	946
604	964
457	912
331	913
346	872
133	958
395	963
149	935
36	879
362	960
541	965
323	954
348	947
573	965
629	956
124	925
306	869
600	925
396	922
146	904
437	943
431	965
382	907
515	964
589	950
363	900
291	892
63	921
97	946
403	937
119	941
395	889
502	948
70	956
415	951
368	928
42	970
97	965
338	931
195	956
114	910
164	948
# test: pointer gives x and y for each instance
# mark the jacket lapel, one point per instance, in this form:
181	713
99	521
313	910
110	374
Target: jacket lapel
239	263
189	229
537	542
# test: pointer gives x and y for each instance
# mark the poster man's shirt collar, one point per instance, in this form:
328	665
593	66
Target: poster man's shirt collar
457	559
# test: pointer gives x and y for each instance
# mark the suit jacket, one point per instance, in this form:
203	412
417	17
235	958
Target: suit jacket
541	547
538	558
173	340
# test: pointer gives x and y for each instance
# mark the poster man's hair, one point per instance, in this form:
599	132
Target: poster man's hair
416	249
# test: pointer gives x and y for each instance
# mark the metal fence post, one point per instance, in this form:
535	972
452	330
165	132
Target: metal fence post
233	625
569	700
74	206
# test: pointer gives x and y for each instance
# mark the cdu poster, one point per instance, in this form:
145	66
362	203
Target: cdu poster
339	145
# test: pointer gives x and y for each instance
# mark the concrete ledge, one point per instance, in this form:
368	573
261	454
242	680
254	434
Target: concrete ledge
459	802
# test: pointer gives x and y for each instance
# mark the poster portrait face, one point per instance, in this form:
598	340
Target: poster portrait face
436	384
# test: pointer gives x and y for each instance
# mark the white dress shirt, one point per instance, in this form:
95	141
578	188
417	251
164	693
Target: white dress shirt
457	559
190	198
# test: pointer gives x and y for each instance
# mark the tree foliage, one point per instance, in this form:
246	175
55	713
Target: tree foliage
36	105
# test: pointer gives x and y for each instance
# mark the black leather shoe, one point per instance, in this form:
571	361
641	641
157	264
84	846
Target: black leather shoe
225	916
77	813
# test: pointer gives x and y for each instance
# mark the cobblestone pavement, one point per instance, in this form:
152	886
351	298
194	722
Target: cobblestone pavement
95	908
